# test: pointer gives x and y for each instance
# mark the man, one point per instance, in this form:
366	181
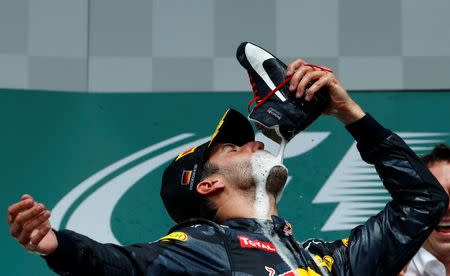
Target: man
228	225
434	257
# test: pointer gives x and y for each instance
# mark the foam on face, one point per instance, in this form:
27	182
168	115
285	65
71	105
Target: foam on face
280	157
262	162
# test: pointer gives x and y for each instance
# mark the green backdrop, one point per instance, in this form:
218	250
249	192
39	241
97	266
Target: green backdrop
105	150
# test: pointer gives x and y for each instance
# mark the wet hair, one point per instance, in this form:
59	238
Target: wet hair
440	152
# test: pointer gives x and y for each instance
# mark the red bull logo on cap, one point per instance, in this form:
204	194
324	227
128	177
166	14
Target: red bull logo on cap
219	125
186	152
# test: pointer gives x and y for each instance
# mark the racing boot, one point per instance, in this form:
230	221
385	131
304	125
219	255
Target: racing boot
277	113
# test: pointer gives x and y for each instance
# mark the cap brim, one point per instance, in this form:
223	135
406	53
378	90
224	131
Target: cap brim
233	128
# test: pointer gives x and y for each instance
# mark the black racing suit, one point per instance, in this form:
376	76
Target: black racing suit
382	246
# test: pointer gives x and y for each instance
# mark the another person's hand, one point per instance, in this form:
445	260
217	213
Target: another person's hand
29	225
341	106
402	273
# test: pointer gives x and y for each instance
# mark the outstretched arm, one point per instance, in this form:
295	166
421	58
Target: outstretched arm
67	252
29	225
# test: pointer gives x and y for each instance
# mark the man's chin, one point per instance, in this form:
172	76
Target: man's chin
276	179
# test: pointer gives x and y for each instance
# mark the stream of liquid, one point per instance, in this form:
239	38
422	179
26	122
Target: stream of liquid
262	162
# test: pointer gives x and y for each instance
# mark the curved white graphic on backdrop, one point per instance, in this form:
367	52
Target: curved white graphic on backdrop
64	204
93	216
357	188
300	144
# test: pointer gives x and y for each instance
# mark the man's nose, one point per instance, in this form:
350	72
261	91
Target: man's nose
255	145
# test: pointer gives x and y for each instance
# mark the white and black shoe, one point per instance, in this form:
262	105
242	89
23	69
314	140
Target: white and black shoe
276	111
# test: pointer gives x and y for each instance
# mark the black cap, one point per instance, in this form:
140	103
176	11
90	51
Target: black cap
180	178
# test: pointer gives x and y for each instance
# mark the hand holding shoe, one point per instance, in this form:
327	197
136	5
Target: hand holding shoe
341	104
276	111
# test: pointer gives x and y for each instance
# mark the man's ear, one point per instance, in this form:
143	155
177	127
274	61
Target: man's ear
209	186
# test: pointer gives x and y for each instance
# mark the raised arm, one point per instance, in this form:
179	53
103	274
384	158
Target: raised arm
387	241
391	238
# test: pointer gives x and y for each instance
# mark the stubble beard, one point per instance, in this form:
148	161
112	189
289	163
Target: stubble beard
240	175
276	180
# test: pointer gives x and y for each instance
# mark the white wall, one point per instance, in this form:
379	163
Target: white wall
181	45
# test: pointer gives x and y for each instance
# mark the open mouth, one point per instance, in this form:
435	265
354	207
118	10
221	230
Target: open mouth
443	227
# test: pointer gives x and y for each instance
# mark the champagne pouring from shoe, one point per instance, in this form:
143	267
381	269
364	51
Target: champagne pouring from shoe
280	115
277	112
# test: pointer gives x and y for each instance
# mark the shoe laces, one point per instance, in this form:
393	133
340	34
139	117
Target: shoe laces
259	101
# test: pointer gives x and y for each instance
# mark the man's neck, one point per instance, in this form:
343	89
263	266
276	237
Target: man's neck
443	259
242	206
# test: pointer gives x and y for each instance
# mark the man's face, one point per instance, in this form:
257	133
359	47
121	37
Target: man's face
235	163
438	243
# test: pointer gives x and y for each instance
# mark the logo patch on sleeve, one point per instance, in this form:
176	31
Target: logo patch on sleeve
177	236
246	242
325	261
